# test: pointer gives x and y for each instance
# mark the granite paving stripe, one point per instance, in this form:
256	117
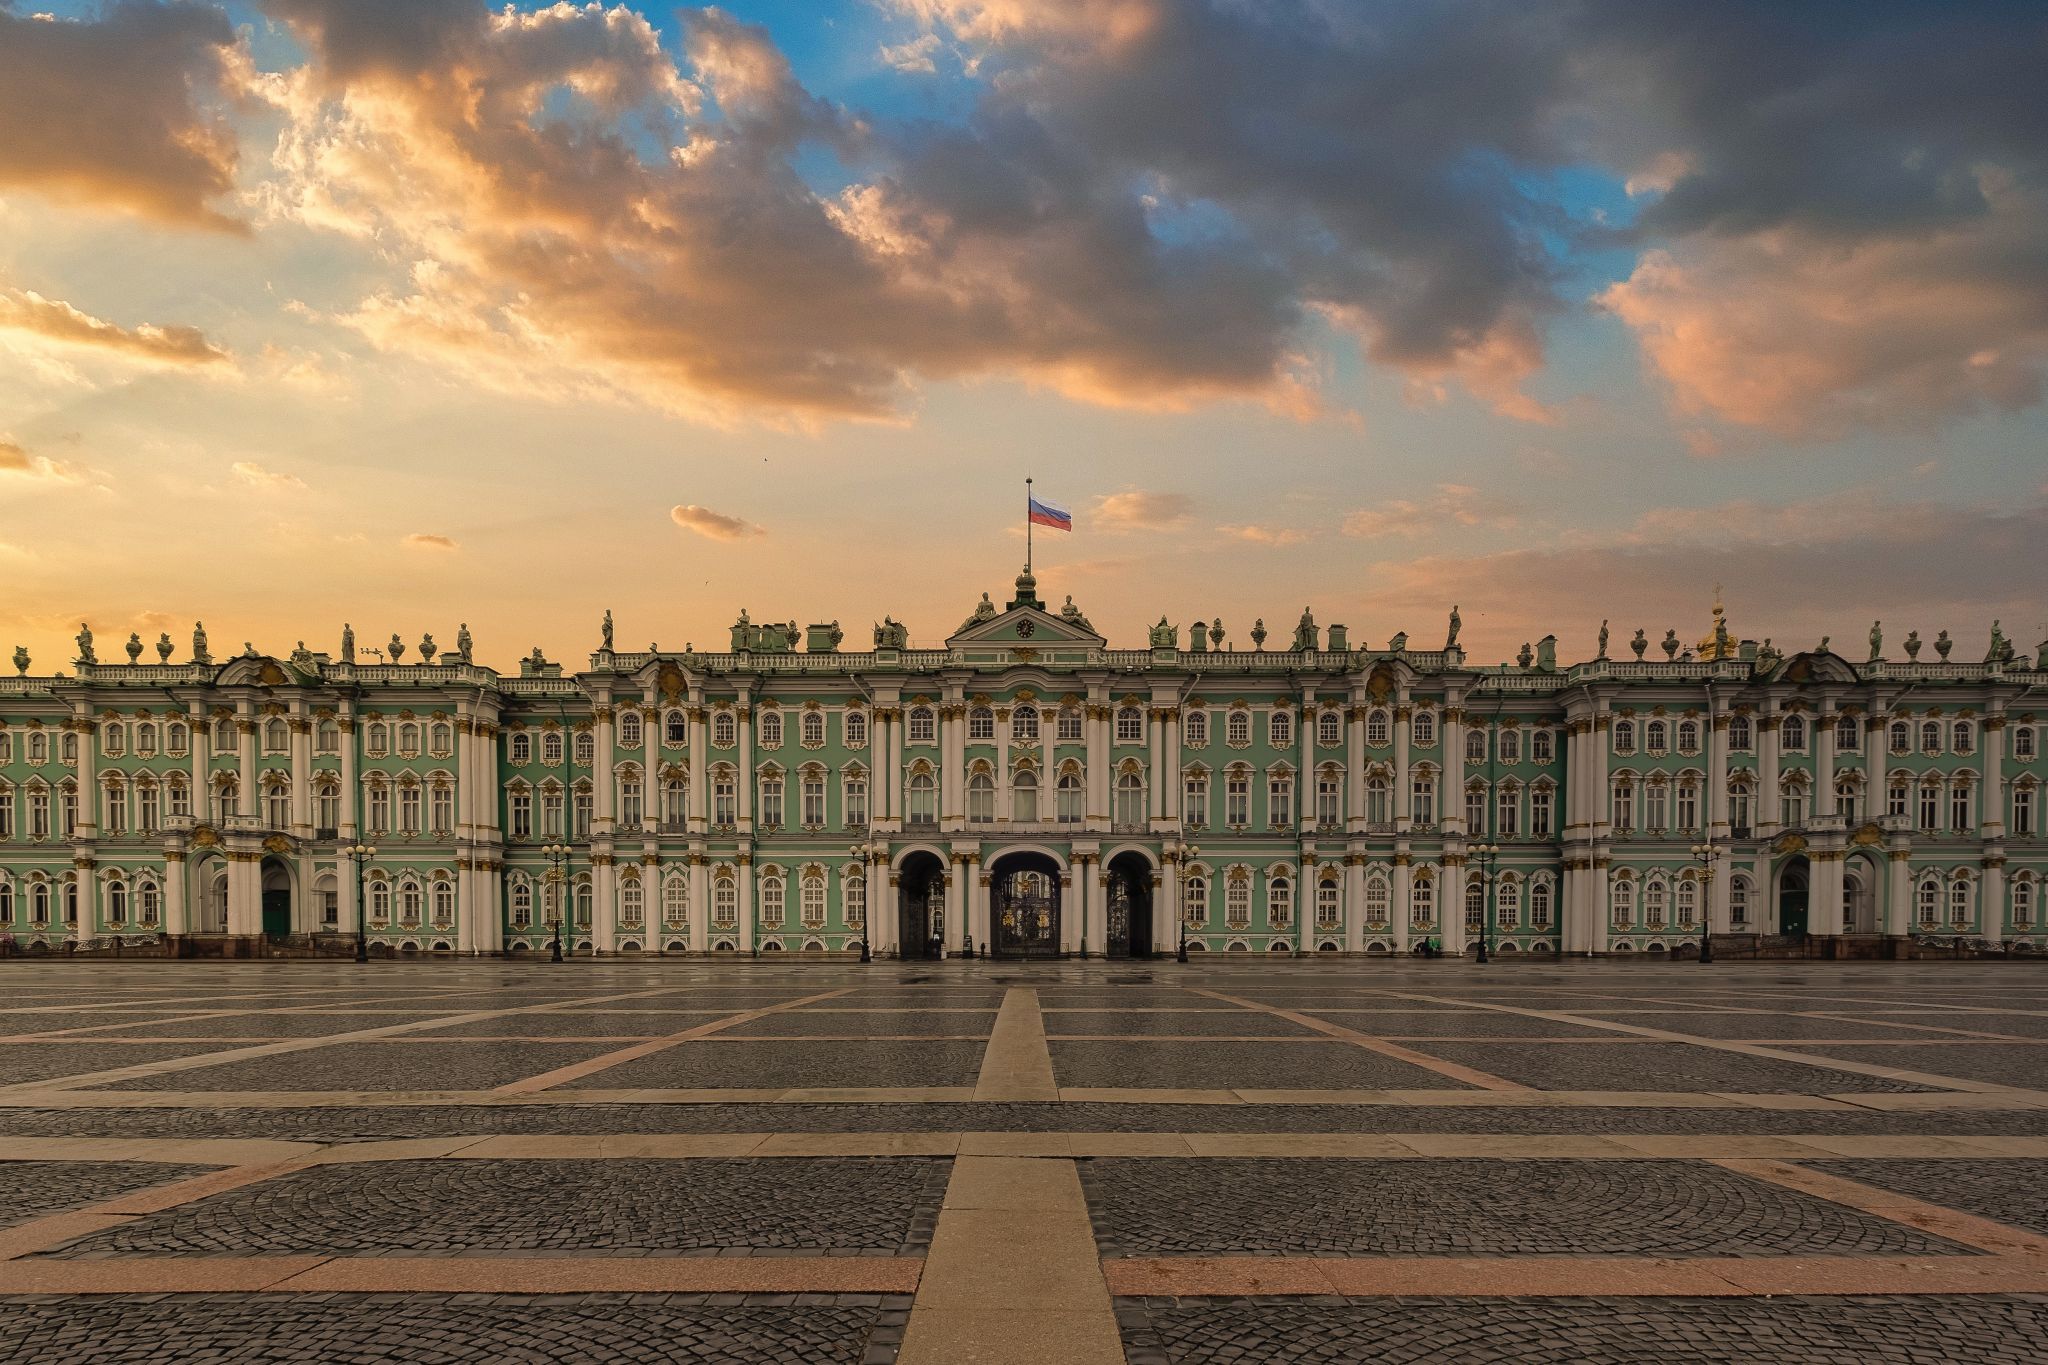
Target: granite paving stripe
577	1071
37	1188
592	1328
1016	1064
869	1024
2022	1065
1675	1325
773	1064
1786	1027
1656	1065
578	1024
625	1207
1177	1023
365	1066
41	1065
1968	1229
2013	1192
1448	1024
1467	1206
1461	1074
217	1027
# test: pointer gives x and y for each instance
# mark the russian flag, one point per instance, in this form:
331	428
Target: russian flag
1045	514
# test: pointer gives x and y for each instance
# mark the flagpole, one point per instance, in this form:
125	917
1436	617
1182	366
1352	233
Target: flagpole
1027	526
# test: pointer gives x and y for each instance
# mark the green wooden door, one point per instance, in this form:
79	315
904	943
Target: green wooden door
1792	911
277	913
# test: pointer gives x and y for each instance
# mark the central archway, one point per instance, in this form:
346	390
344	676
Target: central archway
1024	905
1793	883
1129	927
921	906
277	898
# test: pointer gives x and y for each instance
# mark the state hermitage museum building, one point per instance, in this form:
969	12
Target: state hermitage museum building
1026	790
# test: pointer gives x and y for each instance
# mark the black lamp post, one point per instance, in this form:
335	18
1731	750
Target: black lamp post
557	854
1188	854
867	911
1704	855
1486	853
360	854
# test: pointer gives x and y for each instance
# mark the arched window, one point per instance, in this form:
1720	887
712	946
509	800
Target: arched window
409	741
1024	723
1024	798
1624	736
38	747
409	903
853	892
1622	900
725	902
1280	729
2024	744
1329	903
811	729
630	736
1792	734
924	806
1237	728
1741	735
585	750
1422	904
1656	897
1070	725
1965	737
1930	736
1688	736
117	902
150	904
2023	904
1421	730
771	800
178	738
550	748
771	728
1657	736
811	793
1237	902
1194	728
326	736
1378	802
519	749
1068	799
1688	897
675	903
922	728
1378	900
1510	745
813	907
1130	725
981	723
1194	900
1379	727
444	904
1279	902
380	902
724	730
771	900
1927	902
1539	906
632	905
277	737
1507	906
1475	745
1959	915
981	799
1475	906
1130	799
1899	737
145	739
855	726
1847	736
441	742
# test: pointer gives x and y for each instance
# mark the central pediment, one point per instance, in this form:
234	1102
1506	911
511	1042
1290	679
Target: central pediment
1027	628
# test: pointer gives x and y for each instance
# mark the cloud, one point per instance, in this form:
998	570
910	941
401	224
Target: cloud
17	462
112	111
54	321
712	525
1274	536
1135	509
913	56
1452	504
254	475
422	540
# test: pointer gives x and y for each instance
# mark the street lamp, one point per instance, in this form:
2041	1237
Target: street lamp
1486	853
1704	855
360	854
556	854
1187	854
867	911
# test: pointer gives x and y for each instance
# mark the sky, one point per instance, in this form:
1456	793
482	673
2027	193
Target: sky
414	313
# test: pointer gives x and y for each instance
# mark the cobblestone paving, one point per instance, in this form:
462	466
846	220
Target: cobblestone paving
1206	1023
2012	1191
46	1021
441	1329
1452	1024
260	1026
770	1065
376	1066
829	1205
581	1024
868	1024
1643	1331
1462	1207
49	1061
1239	1066
2019	1025
341	1124
33	1189
1660	1066
2023	1064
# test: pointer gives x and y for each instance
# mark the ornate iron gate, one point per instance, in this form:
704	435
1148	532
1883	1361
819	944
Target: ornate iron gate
1119	925
1027	916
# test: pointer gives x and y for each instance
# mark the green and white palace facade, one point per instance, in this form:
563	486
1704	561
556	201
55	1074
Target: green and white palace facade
1027	790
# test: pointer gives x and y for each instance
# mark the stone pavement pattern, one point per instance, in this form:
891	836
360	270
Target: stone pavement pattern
1067	1162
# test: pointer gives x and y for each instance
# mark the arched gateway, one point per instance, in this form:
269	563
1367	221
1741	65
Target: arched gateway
1024	906
921	906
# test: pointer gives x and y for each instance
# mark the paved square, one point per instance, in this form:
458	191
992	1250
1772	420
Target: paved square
817	1161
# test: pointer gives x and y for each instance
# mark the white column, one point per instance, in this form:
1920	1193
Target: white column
700	898
956	901
1155	762
1451	906
1403	907
1824	807
1305	907
1403	781
1898	901
1305	781
604	908
745	889
1452	734
301	731
1600	807
952	756
1003	811
1165	902
202	755
1170	780
1769	808
1991	810
177	915
1717	776
1354	905
1098	723
603	787
977	914
1354	766
249	800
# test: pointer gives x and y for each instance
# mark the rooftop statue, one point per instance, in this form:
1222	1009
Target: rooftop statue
21	660
134	647
1305	633
1942	645
1457	624
607	627
163	646
348	643
428	649
200	655
85	654
1640	643
1913	644
1527	656
1876	641
464	644
1165	636
396	649
1670	644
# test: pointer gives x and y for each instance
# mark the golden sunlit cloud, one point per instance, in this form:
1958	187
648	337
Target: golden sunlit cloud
421	540
1275	536
1137	510
1453	504
254	475
53	320
19	463
712	525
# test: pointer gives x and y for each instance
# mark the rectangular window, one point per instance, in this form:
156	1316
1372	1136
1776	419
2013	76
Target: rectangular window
856	802
1959	809
1510	814
1237	800
1424	810
814	802
1237	905
2023	810
1280	802
1689	808
1930	807
1475	810
521	815
1539	812
1329	802
771	802
1194	806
